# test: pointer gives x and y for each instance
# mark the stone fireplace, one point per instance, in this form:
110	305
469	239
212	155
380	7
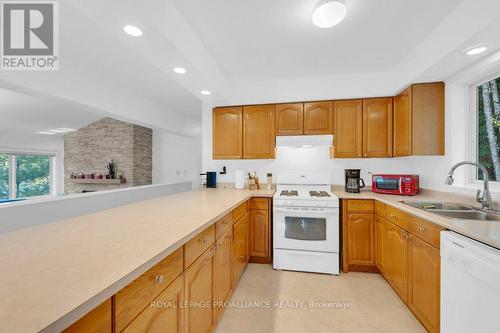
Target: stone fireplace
89	149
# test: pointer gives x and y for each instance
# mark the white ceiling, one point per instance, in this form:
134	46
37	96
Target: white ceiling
23	116
269	40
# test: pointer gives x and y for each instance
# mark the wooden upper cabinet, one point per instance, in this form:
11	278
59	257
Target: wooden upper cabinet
402	124
227	133
258	132
377	127
289	119
318	118
427	100
348	128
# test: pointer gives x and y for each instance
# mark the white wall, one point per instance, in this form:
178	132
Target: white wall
175	158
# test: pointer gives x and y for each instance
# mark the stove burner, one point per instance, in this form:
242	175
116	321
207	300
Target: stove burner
319	194
287	193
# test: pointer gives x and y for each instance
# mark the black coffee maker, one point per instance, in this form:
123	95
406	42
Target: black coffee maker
353	181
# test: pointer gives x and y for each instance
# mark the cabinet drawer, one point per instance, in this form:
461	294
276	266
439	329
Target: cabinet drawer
380	209
239	211
365	206
199	244
259	203
132	299
397	217
223	225
424	230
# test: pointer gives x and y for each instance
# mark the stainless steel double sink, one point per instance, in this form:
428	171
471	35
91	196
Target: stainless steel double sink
455	211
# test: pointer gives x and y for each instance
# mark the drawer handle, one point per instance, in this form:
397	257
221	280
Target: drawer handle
422	229
160	279
203	240
392	215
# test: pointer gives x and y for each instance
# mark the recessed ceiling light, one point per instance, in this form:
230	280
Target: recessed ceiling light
476	50
329	13
205	92
47	133
180	70
132	30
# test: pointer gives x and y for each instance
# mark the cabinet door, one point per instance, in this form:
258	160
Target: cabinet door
224	263
289	119
96	321
348	129
258	132
240	248
428	119
379	243
318	118
402	124
165	314
396	251
199	288
361	240
424	284
259	233
377	127
227	133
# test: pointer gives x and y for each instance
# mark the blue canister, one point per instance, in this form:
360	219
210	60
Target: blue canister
211	179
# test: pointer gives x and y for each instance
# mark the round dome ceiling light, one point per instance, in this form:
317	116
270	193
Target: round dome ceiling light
328	13
132	30
476	50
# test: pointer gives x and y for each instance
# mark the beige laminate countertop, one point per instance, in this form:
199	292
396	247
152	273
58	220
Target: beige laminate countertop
487	232
52	274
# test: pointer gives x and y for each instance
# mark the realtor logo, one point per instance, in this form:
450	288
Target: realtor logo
29	38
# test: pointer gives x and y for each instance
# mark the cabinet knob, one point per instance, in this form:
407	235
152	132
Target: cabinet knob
422	229
160	279
203	240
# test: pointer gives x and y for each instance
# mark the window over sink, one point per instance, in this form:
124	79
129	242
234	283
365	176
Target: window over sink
486	109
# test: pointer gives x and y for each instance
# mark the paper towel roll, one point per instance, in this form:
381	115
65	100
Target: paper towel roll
239	180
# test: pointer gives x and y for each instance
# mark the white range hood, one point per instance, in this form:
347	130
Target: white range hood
304	141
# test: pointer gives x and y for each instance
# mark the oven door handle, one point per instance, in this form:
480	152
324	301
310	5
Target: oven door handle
306	209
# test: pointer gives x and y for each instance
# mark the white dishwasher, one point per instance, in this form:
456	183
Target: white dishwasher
470	285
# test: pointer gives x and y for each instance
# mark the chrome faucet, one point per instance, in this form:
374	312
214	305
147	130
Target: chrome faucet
485	200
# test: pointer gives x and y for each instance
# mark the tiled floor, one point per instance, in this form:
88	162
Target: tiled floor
370	305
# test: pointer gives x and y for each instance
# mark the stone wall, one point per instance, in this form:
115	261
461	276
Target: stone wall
89	149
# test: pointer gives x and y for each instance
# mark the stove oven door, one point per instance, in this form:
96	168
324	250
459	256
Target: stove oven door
306	228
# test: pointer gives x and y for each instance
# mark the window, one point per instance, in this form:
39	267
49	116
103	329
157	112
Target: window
488	127
25	175
4	176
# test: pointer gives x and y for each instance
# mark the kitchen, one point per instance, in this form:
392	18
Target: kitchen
303	169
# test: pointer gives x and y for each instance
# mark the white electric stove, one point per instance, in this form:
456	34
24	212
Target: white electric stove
305	224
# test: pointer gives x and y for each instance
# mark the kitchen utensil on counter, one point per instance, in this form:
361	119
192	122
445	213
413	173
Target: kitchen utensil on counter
239	180
353	182
269	185
253	181
211	179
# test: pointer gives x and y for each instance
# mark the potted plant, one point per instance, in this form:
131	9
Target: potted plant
111	166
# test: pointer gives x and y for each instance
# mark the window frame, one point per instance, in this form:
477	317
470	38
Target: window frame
472	131
12	171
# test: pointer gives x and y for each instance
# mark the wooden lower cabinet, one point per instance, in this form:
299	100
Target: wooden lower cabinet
259	240
396	256
424	282
361	244
379	243
240	247
96	321
224	279
165	314
200	293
